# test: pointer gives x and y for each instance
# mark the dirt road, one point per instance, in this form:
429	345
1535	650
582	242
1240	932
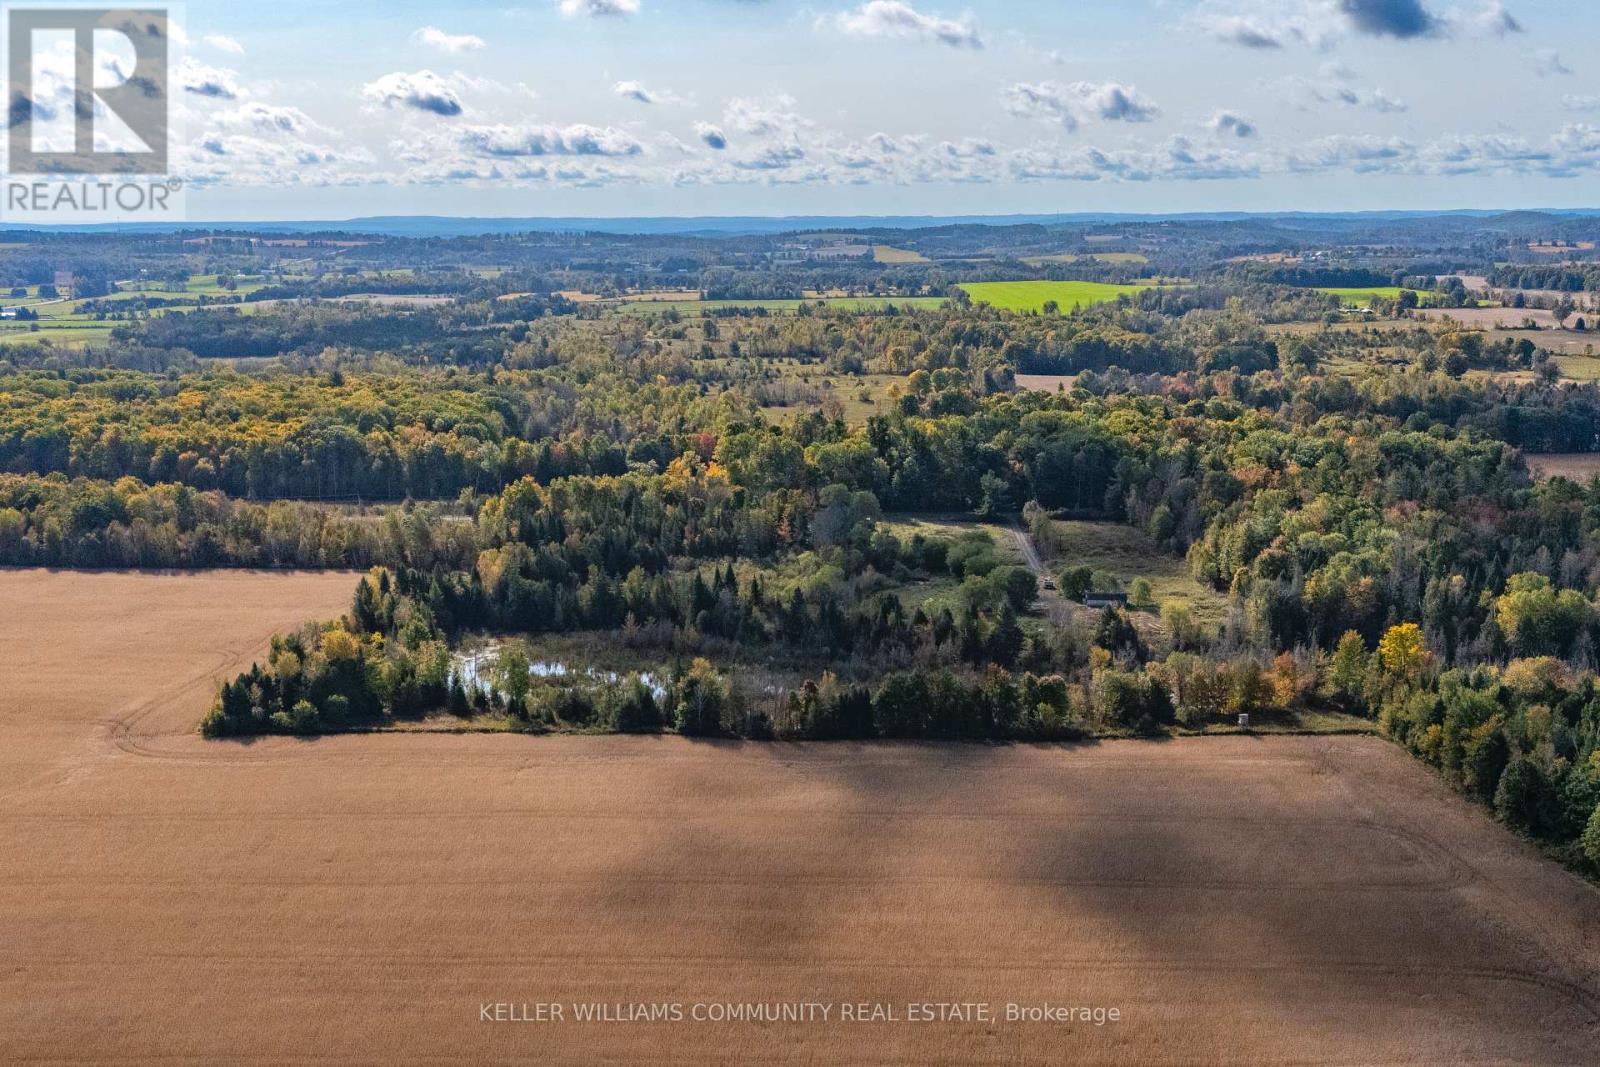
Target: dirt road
1055	607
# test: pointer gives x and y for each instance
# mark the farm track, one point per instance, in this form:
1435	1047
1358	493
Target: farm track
353	900
1056	607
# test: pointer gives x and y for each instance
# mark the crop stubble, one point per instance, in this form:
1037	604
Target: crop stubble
357	899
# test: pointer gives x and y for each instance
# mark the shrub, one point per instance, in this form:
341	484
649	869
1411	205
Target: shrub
1126	698
1591	838
304	718
633	710
215	724
1520	798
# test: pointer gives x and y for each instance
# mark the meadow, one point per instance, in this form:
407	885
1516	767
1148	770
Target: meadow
1126	554
1580	368
805	388
889	254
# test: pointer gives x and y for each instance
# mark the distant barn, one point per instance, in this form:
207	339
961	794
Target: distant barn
1105	600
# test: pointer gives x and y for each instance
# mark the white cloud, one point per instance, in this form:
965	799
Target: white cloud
630	90
1490	19
223	43
772	157
1272	24
1072	103
1232	124
259	144
550	140
1358	152
1177	160
421	91
894	18
711	135
600	8
640	93
587	156
1547	63
1333	88
764	118
212	82
433	37
262	118
1247	32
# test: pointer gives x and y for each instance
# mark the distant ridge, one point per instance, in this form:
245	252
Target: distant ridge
761	225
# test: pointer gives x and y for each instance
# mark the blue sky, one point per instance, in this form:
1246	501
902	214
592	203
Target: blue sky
297	109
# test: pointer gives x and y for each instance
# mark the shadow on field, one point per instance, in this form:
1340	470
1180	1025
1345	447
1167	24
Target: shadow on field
1234	885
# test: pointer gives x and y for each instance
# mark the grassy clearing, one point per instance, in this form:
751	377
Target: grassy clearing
936	527
1129	553
861	396
937	594
1047	383
1032	296
74	335
890	254
1580	368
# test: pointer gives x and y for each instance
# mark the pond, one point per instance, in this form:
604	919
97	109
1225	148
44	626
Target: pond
476	670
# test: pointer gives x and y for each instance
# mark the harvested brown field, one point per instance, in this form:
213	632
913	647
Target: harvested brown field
1581	467
363	899
1493	318
1046	383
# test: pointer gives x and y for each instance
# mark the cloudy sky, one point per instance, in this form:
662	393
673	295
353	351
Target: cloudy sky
302	109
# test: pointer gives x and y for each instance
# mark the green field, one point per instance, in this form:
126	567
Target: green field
63	336
1580	368
1032	296
1362	297
197	285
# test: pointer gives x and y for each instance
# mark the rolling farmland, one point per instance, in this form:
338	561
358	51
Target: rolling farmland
1239	900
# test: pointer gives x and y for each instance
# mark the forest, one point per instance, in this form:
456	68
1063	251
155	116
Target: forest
803	522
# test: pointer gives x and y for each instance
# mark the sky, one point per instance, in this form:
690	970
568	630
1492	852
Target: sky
325	110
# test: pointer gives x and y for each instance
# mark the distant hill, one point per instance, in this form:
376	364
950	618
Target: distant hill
1346	224
751	225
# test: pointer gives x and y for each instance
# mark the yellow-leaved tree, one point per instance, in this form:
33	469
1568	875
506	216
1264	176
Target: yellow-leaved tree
1403	652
